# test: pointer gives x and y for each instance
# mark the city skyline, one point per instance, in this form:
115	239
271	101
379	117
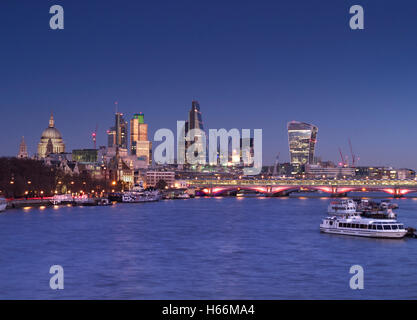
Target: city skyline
356	85
302	140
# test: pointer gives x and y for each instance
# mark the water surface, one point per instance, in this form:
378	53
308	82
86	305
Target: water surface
204	248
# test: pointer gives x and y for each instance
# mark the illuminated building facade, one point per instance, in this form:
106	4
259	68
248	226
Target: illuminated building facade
152	177
111	137
117	135
302	138
85	155
247	154
195	121
140	146
51	140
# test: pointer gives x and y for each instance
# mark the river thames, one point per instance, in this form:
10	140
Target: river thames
203	248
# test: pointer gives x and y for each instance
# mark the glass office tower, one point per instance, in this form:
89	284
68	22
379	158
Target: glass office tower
195	122
117	135
140	146
302	138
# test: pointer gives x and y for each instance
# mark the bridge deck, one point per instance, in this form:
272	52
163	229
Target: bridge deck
306	182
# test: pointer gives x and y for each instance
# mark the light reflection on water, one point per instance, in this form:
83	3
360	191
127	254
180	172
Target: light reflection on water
206	248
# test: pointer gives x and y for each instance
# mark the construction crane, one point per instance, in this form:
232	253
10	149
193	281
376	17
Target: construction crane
341	157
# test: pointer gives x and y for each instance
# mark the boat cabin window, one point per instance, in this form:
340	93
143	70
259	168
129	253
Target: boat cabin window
379	227
363	226
394	227
347	225
387	227
401	226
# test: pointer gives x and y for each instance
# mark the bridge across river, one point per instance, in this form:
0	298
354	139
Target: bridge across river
396	188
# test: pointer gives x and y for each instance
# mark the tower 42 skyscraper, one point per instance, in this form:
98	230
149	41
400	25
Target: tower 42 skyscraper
140	146
117	135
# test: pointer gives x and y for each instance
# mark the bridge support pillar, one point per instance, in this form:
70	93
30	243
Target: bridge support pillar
398	194
339	195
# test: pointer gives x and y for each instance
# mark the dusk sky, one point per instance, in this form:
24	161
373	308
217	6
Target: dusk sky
250	64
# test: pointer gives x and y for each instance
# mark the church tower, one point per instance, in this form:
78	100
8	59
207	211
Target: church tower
23	150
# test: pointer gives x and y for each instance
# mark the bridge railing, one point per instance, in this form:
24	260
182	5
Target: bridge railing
305	182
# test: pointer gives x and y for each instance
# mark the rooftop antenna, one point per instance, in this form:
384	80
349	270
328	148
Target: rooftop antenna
94	136
116	106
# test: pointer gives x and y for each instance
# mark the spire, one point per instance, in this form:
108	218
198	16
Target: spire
23	144
23	152
51	121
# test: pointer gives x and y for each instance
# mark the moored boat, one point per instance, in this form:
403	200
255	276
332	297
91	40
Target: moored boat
62	199
3	204
183	196
136	197
355	225
345	206
84	201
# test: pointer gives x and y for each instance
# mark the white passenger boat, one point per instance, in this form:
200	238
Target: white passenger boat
345	206
145	196
355	225
62	199
3	204
183	196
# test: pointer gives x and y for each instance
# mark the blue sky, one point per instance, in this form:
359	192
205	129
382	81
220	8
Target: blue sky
251	64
